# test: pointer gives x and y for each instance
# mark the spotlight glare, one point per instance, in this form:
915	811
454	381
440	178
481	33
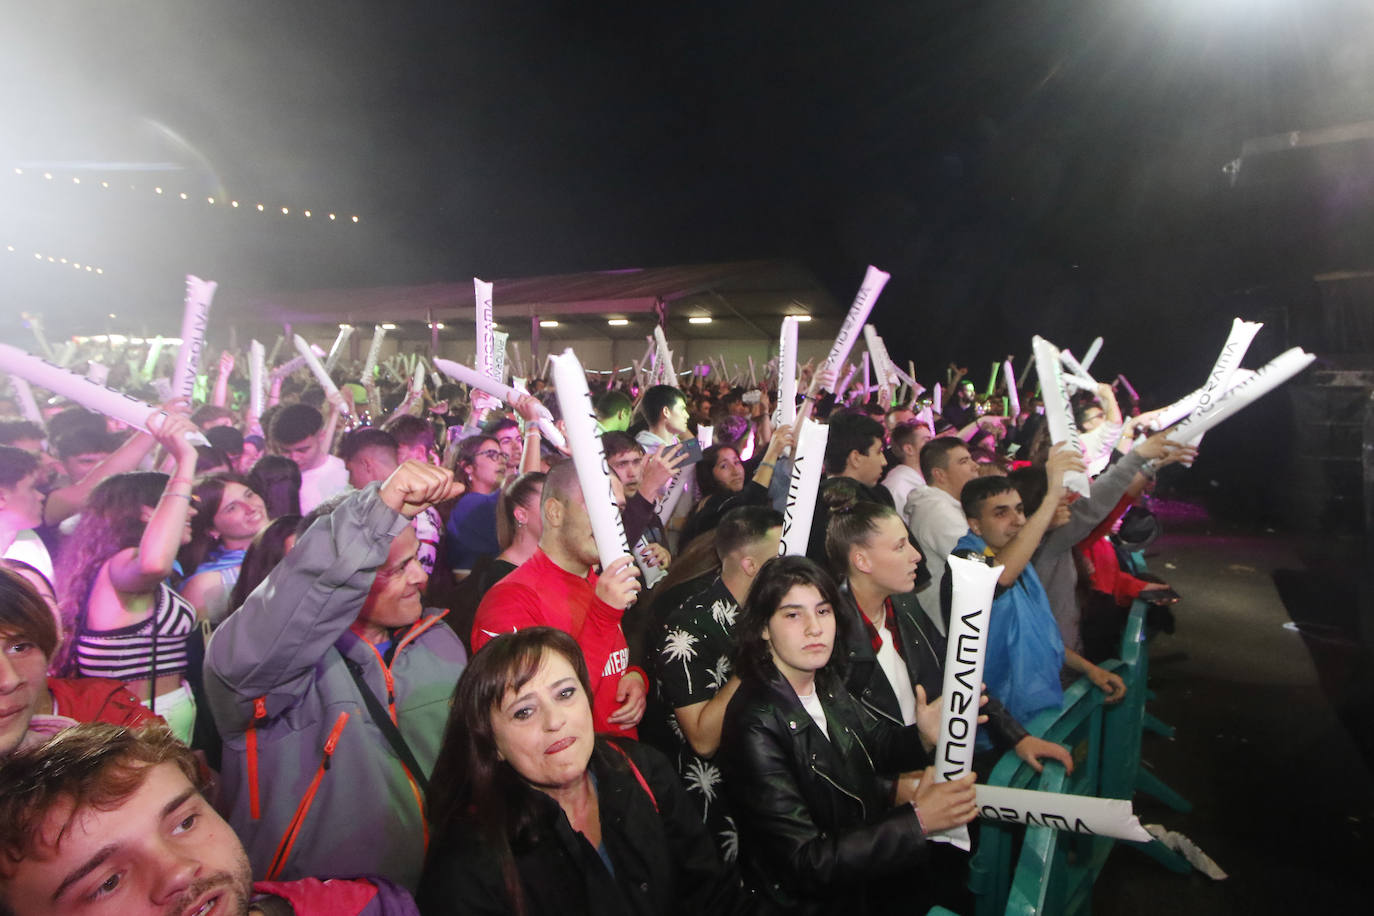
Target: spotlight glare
157	190
307	214
285	212
261	208
617	322
801	317
388	326
183	196
699	319
76	181
210	200
550	323
99	270
48	175
234	204
105	184
355	219
332	216
18	171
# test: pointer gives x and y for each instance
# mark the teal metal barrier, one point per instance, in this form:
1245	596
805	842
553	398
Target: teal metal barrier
1055	871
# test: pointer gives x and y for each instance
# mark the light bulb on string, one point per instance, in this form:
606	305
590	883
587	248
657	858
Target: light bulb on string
162	191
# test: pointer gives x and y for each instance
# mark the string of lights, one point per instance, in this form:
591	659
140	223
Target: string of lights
58	260
103	184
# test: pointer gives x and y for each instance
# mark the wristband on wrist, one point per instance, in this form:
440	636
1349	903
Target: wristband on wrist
185	496
918	818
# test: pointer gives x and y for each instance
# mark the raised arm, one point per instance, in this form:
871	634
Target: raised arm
226	368
269	647
139	571
65	502
1018	553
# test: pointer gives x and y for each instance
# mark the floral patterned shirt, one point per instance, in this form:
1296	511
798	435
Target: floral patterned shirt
694	661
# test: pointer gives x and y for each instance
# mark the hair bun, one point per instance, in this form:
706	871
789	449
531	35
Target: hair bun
841	496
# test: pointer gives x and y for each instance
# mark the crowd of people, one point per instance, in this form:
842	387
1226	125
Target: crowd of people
358	654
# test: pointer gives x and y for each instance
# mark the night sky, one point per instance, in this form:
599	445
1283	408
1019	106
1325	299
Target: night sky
1019	167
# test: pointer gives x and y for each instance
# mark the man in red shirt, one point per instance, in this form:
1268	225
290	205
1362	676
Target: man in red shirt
557	588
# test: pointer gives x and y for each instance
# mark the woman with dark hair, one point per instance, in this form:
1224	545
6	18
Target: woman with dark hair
278	481
723	481
229	515
824	826
532	813
262	556
121	618
481	467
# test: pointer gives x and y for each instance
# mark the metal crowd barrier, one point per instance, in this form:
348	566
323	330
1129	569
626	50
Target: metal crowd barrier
1054	871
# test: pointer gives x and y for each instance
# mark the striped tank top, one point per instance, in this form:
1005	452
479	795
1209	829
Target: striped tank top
133	652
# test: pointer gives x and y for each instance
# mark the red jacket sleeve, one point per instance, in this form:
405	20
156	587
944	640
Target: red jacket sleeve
92	699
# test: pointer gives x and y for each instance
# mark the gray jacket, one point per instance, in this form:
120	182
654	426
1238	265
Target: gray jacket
1053	559
277	679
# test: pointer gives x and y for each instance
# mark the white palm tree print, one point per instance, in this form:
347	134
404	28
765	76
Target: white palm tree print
703	777
721	672
729	841
678	647
724	613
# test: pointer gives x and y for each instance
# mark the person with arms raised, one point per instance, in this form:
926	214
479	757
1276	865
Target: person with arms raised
331	677
1025	653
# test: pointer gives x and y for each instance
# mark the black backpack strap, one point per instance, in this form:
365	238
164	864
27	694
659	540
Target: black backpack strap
389	729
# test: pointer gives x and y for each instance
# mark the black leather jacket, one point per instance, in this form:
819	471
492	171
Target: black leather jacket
818	830
925	663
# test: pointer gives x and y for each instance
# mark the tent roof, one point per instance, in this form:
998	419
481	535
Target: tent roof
745	299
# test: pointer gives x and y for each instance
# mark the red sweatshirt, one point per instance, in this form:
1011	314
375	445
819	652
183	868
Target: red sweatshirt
541	593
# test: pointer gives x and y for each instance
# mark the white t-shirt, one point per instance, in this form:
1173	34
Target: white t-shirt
29	548
812	704
900	481
897	676
320	483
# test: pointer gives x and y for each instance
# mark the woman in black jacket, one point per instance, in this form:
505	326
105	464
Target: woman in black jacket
901	665
531	813
825	826
724	483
